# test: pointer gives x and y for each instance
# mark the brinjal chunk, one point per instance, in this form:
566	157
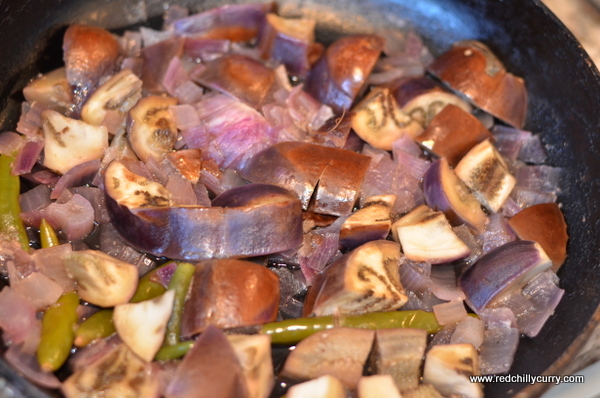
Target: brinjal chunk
69	142
379	120
341	73
504	269
376	386
371	222
445	192
230	293
486	173
367	279
90	54
471	68
119	93
545	224
426	235
448	367
340	352
263	219
51	90
254	355
398	352
422	99
452	133
291	42
325	386
188	162
332	177
151	128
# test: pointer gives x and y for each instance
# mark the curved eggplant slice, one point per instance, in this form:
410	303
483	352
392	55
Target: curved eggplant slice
334	176
484	171
543	223
341	73
508	267
471	68
271	222
51	89
448	367
379	121
366	279
426	235
422	99
452	133
151	128
445	192
371	222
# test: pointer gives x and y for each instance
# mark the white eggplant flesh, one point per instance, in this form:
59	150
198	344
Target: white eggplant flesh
371	222
69	142
322	387
151	127
119	93
51	89
426	235
445	192
448	367
132	190
101	279
142	325
367	279
485	171
254	355
377	386
379	120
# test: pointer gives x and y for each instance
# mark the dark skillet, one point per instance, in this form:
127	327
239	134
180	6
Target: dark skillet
564	92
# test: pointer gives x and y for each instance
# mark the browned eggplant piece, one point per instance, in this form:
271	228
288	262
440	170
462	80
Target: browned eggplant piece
452	133
545	224
230	293
371	222
399	352
51	89
421	98
239	76
340	74
141	212
339	352
379	120
188	162
445	192
210	369
90	53
471	68
325	386
335	174
426	235
151	128
291	42
367	279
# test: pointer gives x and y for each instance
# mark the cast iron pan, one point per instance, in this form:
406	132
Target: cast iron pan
564	92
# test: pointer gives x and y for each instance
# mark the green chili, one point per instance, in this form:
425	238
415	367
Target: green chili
291	331
48	235
180	282
97	326
147	288
58	332
10	208
175	351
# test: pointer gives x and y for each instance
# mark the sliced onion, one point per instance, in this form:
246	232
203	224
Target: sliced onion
38	289
451	312
181	190
496	353
50	262
444	285
35	199
469	330
17	316
27	157
27	364
30	121
78	175
497	233
10	143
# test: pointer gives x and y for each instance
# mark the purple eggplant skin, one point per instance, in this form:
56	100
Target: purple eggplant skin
240	77
252	194
300	167
198	233
340	74
446	193
507	267
291	42
230	293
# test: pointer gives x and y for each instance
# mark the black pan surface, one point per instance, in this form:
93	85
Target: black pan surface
564	93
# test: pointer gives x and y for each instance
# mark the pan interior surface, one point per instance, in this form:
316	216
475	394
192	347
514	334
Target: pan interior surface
563	87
